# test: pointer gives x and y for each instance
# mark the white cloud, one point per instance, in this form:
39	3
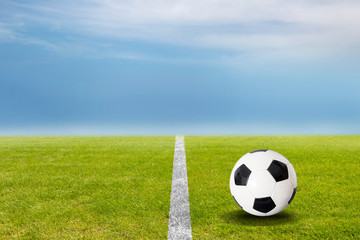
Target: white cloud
326	27
6	34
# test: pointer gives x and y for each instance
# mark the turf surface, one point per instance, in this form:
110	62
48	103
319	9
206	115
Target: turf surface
85	187
119	187
326	205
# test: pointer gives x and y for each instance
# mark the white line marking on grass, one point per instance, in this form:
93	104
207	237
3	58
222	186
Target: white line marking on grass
179	216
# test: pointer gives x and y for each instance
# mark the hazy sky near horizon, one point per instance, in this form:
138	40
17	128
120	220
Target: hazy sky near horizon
180	67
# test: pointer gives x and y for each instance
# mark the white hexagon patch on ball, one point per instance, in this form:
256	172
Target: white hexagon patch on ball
263	182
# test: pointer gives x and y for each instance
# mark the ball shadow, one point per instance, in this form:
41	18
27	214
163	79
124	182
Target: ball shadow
240	217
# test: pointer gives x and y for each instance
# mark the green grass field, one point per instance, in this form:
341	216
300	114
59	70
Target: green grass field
85	187
326	205
119	187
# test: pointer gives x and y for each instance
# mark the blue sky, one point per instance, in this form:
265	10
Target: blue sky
179	67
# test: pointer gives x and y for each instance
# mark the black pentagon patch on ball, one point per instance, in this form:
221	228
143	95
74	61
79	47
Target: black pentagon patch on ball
242	175
264	205
278	170
292	196
260	150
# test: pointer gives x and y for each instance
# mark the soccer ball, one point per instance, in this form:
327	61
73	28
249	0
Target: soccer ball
263	182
